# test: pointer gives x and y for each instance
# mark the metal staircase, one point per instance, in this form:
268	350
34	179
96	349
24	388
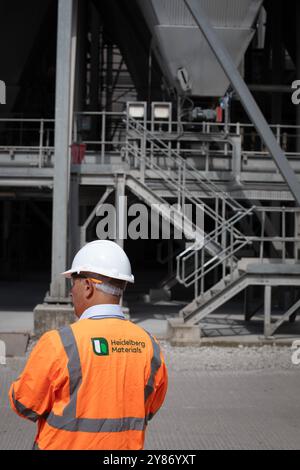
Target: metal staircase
170	213
213	264
216	296
248	272
196	275
150	157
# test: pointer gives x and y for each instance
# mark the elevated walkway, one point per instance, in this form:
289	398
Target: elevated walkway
206	167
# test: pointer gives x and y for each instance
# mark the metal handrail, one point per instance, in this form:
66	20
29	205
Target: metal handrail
194	277
179	186
285	133
237	239
173	182
189	167
184	257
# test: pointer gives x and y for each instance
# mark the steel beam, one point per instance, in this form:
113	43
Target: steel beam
292	310
63	109
297	45
74	234
246	98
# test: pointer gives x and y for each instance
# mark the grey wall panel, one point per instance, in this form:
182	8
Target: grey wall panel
222	13
186	47
171	24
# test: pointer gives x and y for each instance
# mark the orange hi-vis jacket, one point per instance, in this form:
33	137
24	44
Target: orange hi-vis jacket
92	385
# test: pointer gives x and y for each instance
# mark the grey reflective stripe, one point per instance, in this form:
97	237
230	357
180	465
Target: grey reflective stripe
74	368
155	365
96	425
68	420
26	412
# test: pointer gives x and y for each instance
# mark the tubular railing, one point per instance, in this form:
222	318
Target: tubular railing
105	132
140	154
34	135
288	237
189	169
190	256
177	186
101	131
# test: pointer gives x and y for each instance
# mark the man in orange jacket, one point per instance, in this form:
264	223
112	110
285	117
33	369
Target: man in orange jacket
96	383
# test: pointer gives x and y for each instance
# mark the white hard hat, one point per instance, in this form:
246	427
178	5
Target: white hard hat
102	257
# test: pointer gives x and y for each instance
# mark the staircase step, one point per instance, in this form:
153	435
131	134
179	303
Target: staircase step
207	295
220	285
215	292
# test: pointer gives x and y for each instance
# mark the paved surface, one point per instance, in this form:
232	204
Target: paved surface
16	321
218	398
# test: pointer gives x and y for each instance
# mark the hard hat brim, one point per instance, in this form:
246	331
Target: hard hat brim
68	274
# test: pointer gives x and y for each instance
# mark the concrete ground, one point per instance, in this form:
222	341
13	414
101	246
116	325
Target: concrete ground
218	398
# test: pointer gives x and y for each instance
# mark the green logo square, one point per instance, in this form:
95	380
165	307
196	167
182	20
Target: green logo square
100	346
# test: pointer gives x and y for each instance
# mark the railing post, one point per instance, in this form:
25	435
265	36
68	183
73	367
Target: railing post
231	252
223	237
127	140
183	188
283	233
41	142
202	271
75	128
179	186
47	138
261	253
267	310
278	133
195	274
296	234
103	134
216	219
143	158
236	158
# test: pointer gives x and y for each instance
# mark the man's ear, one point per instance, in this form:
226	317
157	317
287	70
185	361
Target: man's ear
89	289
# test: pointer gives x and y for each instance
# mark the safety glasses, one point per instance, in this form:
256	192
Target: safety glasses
81	276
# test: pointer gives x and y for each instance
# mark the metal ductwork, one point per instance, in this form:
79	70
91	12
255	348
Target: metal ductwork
185	57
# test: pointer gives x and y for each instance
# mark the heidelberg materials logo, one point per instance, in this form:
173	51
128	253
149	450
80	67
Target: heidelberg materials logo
100	346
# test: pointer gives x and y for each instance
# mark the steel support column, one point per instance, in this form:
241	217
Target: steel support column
120	205
74	235
267	311
81	53
246	98
297	13
66	46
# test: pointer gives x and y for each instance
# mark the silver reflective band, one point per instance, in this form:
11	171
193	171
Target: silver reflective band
96	425
155	365
74	368
26	412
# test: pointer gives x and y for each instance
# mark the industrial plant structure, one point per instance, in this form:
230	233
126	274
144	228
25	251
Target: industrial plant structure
168	103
